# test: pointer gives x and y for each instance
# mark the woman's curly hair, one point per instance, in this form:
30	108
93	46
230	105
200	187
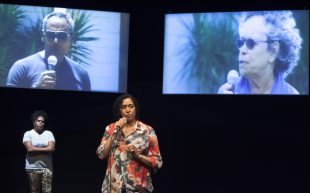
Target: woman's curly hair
117	106
283	30
36	114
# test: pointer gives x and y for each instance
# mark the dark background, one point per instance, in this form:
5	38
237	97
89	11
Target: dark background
209	143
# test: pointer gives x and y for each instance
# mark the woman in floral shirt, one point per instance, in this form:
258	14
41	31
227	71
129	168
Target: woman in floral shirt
132	150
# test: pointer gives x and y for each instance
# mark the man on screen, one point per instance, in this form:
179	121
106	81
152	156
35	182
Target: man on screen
50	68
269	48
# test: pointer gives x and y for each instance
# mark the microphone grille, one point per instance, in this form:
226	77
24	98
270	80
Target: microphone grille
232	77
52	60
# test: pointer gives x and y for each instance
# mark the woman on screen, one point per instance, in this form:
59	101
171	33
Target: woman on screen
132	150
40	144
269	48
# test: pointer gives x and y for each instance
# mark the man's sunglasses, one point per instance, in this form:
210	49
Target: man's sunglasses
61	36
250	43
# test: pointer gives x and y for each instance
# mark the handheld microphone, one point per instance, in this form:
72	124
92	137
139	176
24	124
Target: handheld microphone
233	78
52	61
117	128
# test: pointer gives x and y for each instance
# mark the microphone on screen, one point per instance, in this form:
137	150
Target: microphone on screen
233	78
52	61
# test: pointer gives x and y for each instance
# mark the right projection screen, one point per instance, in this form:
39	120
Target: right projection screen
252	52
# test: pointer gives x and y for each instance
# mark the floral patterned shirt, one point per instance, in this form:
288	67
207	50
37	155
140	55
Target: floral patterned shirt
124	171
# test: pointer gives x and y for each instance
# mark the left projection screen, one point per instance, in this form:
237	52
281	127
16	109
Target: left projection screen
93	56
